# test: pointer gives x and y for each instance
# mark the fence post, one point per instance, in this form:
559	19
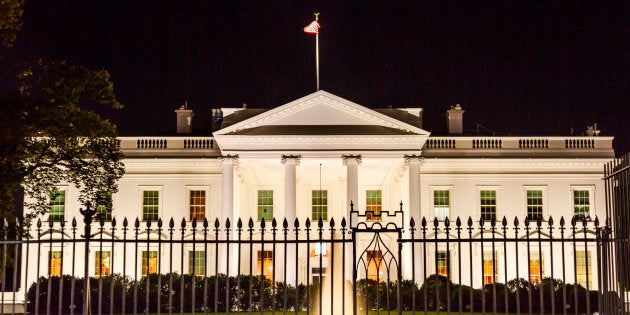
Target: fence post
88	214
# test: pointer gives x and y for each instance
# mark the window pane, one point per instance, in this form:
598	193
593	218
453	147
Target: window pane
488	201
57	205
149	262
583	269
373	205
319	204
150	204
265	205
375	265
196	262
534	204
490	267
265	263
581	203
102	261
197	205
104	206
441	204
54	263
535	267
443	263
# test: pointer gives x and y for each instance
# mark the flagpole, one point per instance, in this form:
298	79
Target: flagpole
317	53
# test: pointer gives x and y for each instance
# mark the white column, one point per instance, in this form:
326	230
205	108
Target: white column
227	212
415	212
414	162
352	163
227	185
290	162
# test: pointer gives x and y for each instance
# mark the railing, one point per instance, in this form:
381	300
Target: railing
329	267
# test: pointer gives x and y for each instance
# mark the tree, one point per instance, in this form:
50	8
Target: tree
49	136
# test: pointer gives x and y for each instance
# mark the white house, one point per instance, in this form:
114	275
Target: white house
312	157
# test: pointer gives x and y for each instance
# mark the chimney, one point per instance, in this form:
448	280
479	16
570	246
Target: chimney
184	119
455	120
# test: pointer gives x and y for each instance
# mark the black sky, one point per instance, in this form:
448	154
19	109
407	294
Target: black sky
524	67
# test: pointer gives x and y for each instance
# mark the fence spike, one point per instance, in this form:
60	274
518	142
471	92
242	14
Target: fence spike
160	222
436	222
125	222
447	222
573	221
148	224
239	224
217	224
17	223
227	223
50	222
562	221
470	221
183	224
550	220
62	223
424	222
343	222
351	206
320	223
137	223
274	224
250	223
39	223
458	222
194	223
527	221
262	223
6	223
504	221
285	223
412	222
516	221
596	222
113	221
308	223
171	223
332	222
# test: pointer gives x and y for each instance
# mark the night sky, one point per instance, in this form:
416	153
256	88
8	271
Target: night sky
522	67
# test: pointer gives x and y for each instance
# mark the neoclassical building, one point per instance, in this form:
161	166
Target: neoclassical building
313	157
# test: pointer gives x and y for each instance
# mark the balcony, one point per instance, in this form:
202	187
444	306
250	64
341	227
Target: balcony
547	147
169	146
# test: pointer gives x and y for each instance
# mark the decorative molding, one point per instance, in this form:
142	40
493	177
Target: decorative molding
230	158
413	159
350	158
291	158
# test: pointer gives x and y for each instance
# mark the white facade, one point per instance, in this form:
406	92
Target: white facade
325	143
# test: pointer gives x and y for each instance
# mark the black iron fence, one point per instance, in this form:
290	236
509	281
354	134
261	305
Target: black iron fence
382	263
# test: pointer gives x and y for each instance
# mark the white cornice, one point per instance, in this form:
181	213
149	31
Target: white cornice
482	165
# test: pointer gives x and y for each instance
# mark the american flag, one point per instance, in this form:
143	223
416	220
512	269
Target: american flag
312	28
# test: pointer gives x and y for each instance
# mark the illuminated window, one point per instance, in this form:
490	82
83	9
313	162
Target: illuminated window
534	204
104	206
488	201
490	267
373	205
150	204
535	267
149	262
441	204
102	263
54	263
265	205
196	262
581	204
265	263
197	205
57	205
319	202
443	260
583	269
374	265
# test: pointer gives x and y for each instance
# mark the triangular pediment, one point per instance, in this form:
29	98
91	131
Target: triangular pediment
320	121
